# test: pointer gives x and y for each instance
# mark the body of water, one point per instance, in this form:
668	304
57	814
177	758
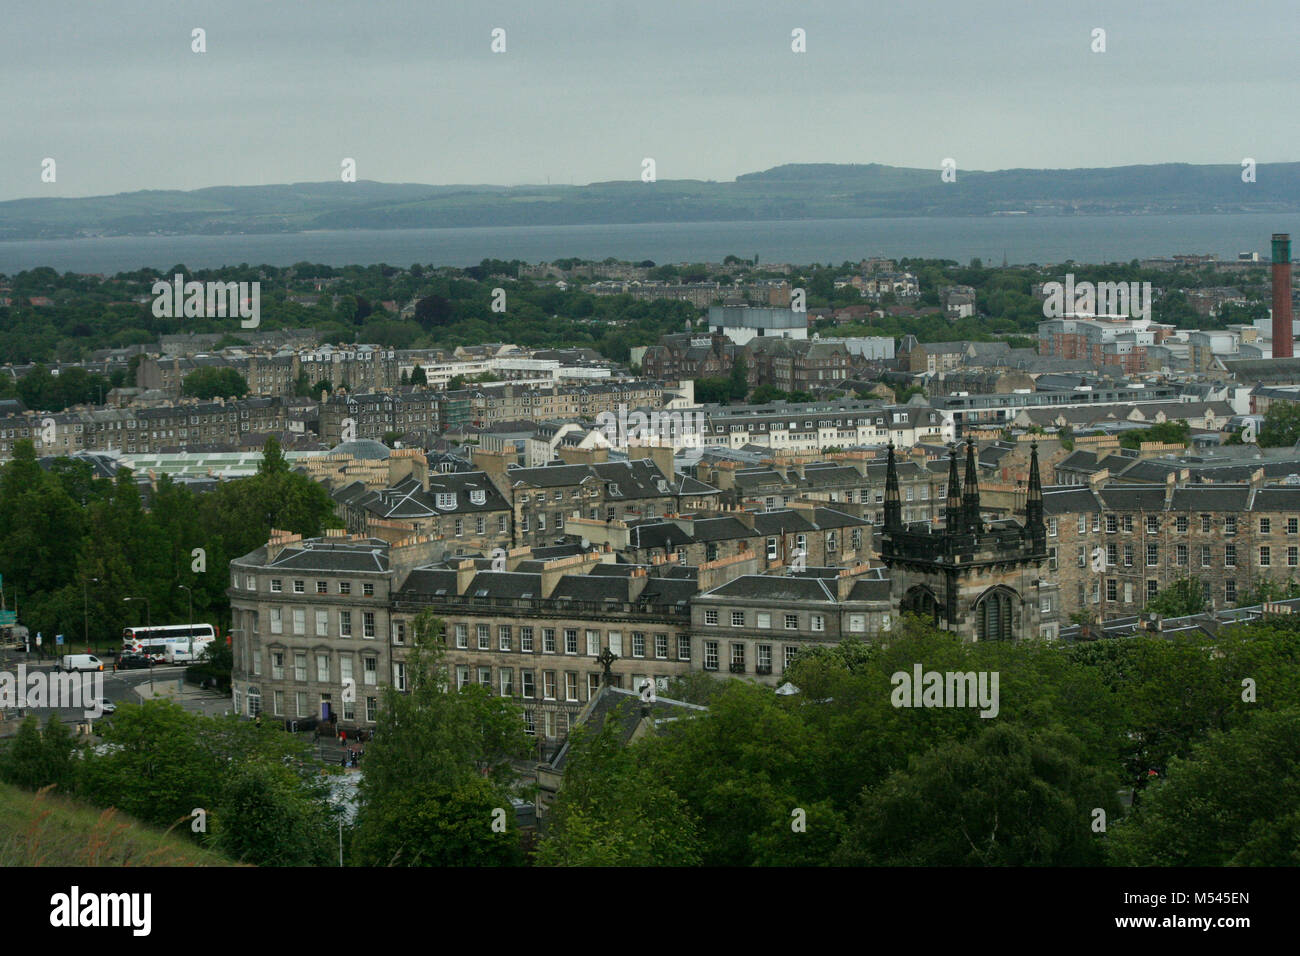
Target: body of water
1020	239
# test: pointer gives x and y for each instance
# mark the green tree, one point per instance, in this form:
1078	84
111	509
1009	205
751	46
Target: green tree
1185	596
614	811
1234	801
266	815
209	383
1172	433
1281	427
418	376
1007	798
432	740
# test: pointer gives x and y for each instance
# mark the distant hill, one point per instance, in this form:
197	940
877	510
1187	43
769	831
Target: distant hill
803	191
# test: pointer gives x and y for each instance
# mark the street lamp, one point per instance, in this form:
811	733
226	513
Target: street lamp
189	591
85	610
148	624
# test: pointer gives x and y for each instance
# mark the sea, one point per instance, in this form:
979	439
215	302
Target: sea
992	239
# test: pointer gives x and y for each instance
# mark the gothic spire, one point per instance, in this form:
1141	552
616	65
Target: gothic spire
970	494
953	513
1034	499
893	501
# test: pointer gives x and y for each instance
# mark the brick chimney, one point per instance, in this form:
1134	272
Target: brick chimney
1283	330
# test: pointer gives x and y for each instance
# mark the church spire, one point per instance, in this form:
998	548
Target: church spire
970	495
893	501
1034	499
953	513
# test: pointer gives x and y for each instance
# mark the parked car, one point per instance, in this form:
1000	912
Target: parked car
104	704
126	662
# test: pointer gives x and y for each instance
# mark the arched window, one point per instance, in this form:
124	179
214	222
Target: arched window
993	616
254	702
921	602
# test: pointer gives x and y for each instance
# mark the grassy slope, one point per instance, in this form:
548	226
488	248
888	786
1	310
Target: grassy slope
48	830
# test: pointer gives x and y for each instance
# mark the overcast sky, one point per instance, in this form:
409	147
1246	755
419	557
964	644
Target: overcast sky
587	88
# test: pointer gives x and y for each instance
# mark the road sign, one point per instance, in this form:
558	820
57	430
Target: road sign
58	638
8	618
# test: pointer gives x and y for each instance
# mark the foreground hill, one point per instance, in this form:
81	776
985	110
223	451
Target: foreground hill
49	830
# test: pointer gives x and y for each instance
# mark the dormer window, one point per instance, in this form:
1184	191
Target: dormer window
446	501
477	497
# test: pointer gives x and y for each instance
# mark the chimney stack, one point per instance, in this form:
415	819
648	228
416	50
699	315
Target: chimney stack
1283	331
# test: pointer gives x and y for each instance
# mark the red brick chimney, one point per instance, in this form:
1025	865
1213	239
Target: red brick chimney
1283	331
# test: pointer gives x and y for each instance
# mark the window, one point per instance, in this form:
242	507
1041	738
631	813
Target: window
593	685
300	620
771	549
459	526
1230	590
1112	524
1112	554
300	703
683	647
1083	524
367	590
1051	527
462	636
276	587
480	525
548	640
1128	524
1112	591
737	618
277	665
1153	555
830	541
250	582
1229	555
1265	525
857	623
763	620
368	624
505	641
1051	559
789	654
501	524
1082	556
1180	555
526	684
484	633
1153	524
661	647
638	644
710	655
711	617
1205	555
370	670
792	622
1205	524
1180	524
323	668
300	665
1230	524
818	622
1265	556
570	685
548	685
1128	555
299	587
277	702
857	538
506	681
345	587
570	640
322	623
1292	525
737	658
526	639
485	677
616	643
322	587
277	622
593	643
1292	556
445	502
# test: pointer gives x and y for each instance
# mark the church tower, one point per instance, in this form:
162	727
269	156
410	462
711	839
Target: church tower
982	580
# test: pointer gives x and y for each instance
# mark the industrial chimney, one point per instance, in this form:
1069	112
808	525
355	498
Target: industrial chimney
1283	331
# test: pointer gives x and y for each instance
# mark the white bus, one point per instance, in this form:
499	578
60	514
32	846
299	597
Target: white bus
154	641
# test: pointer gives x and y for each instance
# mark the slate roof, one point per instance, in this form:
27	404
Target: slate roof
770	587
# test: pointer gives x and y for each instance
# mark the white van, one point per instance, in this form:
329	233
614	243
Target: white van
80	662
180	652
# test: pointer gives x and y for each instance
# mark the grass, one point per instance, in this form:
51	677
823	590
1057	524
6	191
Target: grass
44	829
